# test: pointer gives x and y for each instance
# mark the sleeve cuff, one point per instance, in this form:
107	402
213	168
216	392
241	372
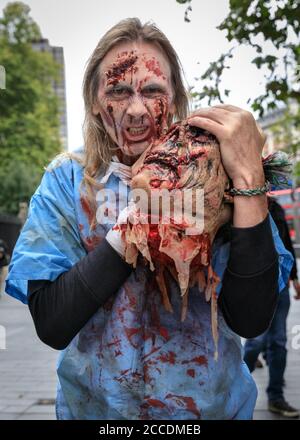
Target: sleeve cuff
114	238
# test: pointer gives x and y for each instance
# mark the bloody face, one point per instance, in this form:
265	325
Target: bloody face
135	96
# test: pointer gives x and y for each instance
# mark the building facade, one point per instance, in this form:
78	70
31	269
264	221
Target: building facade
59	86
267	122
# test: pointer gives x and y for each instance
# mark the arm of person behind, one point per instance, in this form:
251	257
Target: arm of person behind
294	272
249	292
61	308
278	216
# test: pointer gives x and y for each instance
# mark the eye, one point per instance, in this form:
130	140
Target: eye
119	92
153	91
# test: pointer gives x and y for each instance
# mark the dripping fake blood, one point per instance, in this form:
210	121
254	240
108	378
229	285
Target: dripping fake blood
91	242
87	209
119	69
159	111
111	113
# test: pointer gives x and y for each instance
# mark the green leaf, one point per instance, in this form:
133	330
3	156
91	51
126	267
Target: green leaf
29	123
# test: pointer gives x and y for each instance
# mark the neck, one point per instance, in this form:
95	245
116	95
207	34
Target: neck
125	159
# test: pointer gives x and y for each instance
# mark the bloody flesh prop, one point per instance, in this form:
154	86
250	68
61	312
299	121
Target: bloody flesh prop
186	158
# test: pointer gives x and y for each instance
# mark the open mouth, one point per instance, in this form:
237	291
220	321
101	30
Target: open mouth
137	134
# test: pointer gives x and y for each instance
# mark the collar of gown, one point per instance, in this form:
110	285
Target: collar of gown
118	169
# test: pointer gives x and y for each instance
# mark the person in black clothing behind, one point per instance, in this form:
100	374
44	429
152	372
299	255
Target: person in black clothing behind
4	261
275	338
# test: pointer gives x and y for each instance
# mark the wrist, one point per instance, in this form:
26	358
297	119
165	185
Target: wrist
249	180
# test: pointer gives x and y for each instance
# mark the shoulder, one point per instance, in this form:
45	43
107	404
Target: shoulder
65	163
60	172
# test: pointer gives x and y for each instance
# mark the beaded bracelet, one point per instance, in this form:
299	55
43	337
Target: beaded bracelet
250	192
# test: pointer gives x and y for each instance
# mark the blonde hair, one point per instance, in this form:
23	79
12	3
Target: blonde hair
98	146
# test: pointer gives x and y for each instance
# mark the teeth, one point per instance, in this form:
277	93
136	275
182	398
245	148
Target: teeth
136	131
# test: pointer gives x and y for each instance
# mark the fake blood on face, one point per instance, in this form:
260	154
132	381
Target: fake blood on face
110	110
153	66
160	110
132	78
119	69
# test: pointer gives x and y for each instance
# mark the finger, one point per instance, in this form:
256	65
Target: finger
229	107
262	133
234	109
214	115
208	124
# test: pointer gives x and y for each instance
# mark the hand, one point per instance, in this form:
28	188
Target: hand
297	288
114	236
241	142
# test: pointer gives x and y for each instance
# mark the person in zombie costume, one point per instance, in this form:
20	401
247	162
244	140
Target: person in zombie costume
123	355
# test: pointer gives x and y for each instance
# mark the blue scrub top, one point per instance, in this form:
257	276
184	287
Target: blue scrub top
132	359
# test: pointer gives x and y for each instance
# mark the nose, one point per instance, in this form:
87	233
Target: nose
136	108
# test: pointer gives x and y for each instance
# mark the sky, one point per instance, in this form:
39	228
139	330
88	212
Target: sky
77	26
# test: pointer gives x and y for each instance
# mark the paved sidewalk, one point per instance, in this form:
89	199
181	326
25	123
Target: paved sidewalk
28	378
292	373
27	367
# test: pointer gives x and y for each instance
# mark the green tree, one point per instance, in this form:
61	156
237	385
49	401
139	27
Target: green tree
29	108
17	184
272	28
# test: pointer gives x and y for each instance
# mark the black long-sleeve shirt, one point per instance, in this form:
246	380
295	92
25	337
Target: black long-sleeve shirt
248	297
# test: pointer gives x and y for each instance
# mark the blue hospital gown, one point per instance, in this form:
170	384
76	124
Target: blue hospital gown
132	359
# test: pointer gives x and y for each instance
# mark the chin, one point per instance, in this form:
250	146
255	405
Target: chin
141	147
136	148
